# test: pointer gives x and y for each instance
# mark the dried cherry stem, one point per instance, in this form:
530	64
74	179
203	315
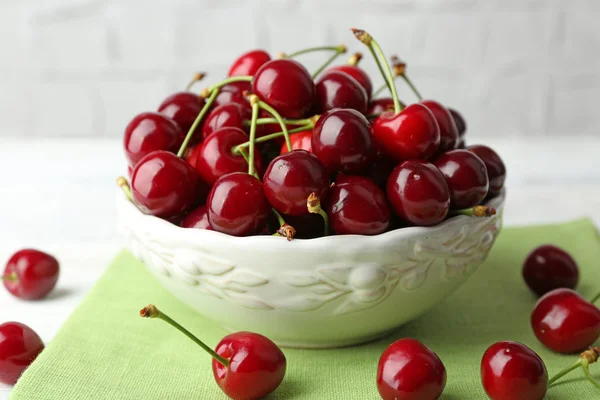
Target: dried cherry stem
12	277
285	229
585	359
380	59
279	119
264	121
399	68
150	311
478	211
313	203
595	298
238	149
201	114
124	185
341	50
254	102
355	59
198	76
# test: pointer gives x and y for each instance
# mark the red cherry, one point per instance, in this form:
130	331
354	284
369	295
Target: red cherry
214	157
512	371
183	108
565	322
448	130
409	370
300	141
342	140
291	178
337	89
466	176
197	219
411	134
286	86
461	125
494	165
418	193
231	115
357	207
359	75
233	93
19	346
237	205
148	132
31	274
256	366
547	268
379	106
165	185
248	63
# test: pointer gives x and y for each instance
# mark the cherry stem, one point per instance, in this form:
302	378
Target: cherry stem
264	121
329	61
254	101
188	137
313	203
237	149
565	371
595	298
412	87
586	358
338	49
150	311
354	59
228	81
279	119
585	365
198	76
122	183
244	154
285	229
12	277
478	211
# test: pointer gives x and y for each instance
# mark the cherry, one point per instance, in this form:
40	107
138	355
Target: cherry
357	207
378	106
237	205
336	89
547	268
565	322
409	370
30	274
466	176
357	73
418	193
183	108
290	178
286	86
494	165
448	130
231	115
245	365
165	185
300	141
249	63
380	169
233	93
342	140
214	157
148	132
197	219
461	125
19	347
461	143
512	371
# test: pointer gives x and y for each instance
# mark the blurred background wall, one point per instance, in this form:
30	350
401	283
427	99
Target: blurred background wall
83	68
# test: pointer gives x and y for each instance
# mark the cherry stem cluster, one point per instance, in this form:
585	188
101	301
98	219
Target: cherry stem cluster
150	311
240	147
313	203
264	121
122	183
585	359
12	277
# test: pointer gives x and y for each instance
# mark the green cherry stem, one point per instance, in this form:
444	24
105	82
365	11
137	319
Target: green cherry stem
586	358
150	311
198	76
285	229
331	59
412	87
595	298
237	149
478	211
263	121
313	203
244	154
122	183
277	116
564	371
12	277
254	102
338	49
228	81
399	68
585	365
201	114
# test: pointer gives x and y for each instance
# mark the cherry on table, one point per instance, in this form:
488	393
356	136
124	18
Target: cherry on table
230	115
19	347
512	371
448	130
183	108
565	322
549	267
466	175
197	219
300	141
336	89
460	122
496	170
249	63
31	274
409	370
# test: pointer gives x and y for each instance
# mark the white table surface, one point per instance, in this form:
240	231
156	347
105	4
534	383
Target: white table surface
58	195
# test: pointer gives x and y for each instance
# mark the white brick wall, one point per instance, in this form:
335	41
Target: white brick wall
85	67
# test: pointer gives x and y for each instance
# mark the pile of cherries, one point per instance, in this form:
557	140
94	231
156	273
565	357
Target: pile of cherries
244	156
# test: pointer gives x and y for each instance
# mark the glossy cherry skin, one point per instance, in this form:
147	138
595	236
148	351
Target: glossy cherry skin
231	115
409	370
214	158
359	75
286	86
19	346
512	371
448	130
343	141
148	132
233	93
197	219
466	175
337	89
381	105
565	322
248	63
257	366
300	141
496	170
547	268
460	122
291	178
418	193
237	205
411	134
36	274
357	207
183	108
166	186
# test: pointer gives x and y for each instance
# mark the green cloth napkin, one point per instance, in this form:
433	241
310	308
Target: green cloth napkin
106	351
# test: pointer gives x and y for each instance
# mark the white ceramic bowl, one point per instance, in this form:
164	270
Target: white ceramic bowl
326	292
